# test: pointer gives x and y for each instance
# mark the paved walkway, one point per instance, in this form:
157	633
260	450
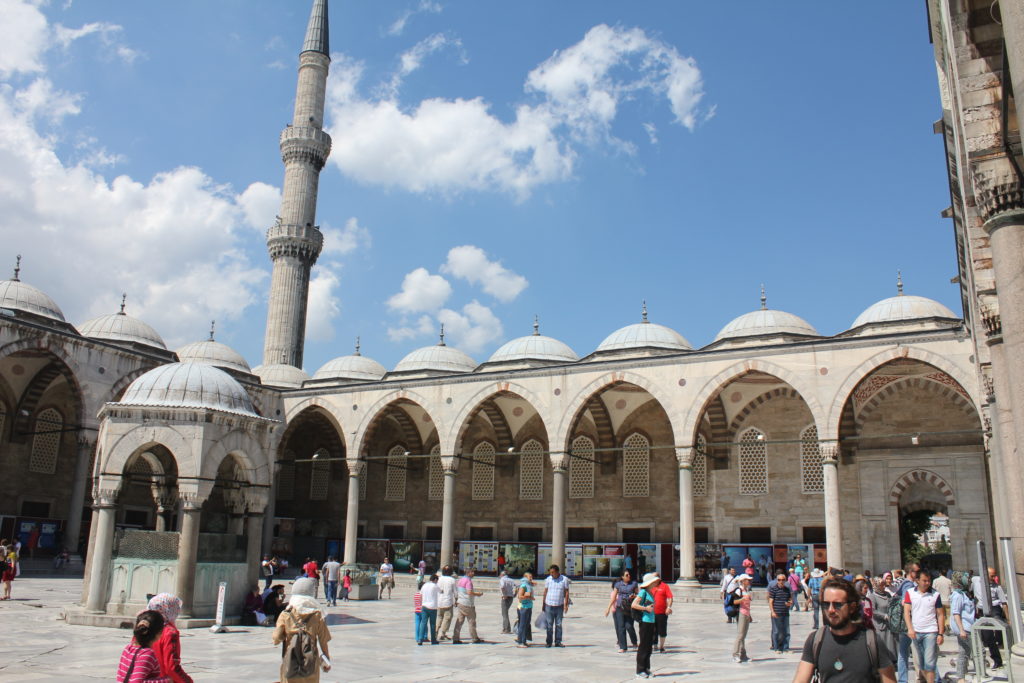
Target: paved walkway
374	641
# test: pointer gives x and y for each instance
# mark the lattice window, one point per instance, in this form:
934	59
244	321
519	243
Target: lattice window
320	476
700	467
286	477
531	471
364	474
636	459
3	414
753	463
811	462
483	471
435	486
46	442
394	484
581	468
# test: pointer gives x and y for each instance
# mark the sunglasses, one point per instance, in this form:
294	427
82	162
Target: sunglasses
834	605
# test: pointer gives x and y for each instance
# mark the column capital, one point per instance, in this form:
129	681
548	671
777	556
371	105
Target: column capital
559	461
191	500
355	467
256	499
829	452
104	498
164	496
993	324
685	456
1000	200
450	463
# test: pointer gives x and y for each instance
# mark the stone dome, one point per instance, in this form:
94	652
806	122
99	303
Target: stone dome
534	347
280	375
903	307
765	322
18	296
355	366
437	358
188	385
213	353
121	327
644	335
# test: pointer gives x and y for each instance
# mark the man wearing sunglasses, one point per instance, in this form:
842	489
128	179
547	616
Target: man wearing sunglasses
844	651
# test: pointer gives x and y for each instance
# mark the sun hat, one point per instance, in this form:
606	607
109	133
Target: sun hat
649	578
304	586
745	577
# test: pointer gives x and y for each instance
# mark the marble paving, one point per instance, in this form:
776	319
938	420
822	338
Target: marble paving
373	641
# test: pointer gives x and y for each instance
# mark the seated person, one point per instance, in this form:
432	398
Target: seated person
252	610
274	604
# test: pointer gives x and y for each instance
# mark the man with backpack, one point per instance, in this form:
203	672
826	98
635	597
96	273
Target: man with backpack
814	588
844	650
897	625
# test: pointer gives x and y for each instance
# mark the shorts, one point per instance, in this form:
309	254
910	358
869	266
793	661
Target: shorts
387	582
661	625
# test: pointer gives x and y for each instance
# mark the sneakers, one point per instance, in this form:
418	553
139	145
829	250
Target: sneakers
643	674
736	658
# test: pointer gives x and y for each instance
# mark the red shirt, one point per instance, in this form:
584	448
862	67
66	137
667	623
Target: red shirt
661	597
311	569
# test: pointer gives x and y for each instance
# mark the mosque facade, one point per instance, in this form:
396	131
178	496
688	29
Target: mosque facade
175	469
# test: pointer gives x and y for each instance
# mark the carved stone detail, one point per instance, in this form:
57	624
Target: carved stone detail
829	452
685	457
559	461
993	323
1000	196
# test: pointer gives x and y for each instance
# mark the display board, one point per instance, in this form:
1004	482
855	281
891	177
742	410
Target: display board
761	563
709	559
573	559
603	561
371	551
519	558
481	556
405	555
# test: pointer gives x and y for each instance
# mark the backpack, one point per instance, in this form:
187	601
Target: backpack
300	654
872	643
894	615
731	609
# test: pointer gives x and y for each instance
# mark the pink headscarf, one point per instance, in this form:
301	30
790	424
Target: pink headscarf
169	606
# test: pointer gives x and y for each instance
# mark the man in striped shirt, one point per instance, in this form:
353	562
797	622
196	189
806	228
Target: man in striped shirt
556	603
780	599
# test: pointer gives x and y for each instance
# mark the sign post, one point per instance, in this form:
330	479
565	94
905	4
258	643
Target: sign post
222	590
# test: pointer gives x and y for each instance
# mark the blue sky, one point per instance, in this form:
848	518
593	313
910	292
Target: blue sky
491	162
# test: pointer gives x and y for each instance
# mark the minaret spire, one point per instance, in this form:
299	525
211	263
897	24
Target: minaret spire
124	298
294	241
899	283
764	299
17	269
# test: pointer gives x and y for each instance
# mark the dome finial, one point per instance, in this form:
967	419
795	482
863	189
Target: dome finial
899	283
441	343
124	298
764	299
643	311
17	268
357	347
536	325
213	327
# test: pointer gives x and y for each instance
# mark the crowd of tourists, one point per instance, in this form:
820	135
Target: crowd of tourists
875	627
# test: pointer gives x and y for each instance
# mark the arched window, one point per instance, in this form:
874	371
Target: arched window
46	442
394	484
320	476
435	485
286	477
581	468
364	473
531	471
810	461
700	467
636	458
483	471
753	463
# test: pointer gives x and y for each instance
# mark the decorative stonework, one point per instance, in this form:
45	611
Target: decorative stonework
531	471
636	457
813	479
394	484
435	478
483	471
700	467
993	323
46	442
915	476
829	452
581	468
753	463
871	385
1007	194
943	378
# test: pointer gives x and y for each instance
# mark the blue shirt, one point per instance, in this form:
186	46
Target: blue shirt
556	588
528	588
645	600
814	583
960	603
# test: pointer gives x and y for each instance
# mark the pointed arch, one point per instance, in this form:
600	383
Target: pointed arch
829	429
323	407
915	476
362	435
464	417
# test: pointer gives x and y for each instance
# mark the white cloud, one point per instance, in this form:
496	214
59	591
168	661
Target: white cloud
260	203
340	242
470	263
421	292
23	34
412	59
424	326
399	24
652	132
40	98
449	146
324	305
107	33
473	329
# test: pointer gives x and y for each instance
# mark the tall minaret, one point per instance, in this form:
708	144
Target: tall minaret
294	242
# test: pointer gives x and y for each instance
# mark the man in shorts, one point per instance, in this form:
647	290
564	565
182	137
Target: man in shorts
926	622
386	578
843	649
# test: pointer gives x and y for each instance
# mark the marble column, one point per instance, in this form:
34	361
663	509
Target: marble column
1012	15
188	551
270	511
833	523
450	465
104	513
165	500
253	540
355	470
687	544
559	488
73	529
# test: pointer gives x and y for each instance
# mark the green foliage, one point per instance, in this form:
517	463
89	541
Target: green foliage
912	525
942	547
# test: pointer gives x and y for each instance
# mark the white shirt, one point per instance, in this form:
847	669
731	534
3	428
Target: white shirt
387	569
446	590
727	581
923	608
431	595
555	590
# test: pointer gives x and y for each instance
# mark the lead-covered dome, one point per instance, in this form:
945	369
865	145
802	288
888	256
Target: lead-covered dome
766	322
535	347
644	335
18	296
354	367
121	327
280	375
212	352
437	358
188	385
903	307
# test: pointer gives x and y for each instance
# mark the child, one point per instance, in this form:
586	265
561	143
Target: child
138	661
417	608
168	646
346	585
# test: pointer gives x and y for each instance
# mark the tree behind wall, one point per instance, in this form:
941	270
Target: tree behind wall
912	525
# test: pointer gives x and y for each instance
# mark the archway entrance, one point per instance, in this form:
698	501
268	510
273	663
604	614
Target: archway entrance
923	514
